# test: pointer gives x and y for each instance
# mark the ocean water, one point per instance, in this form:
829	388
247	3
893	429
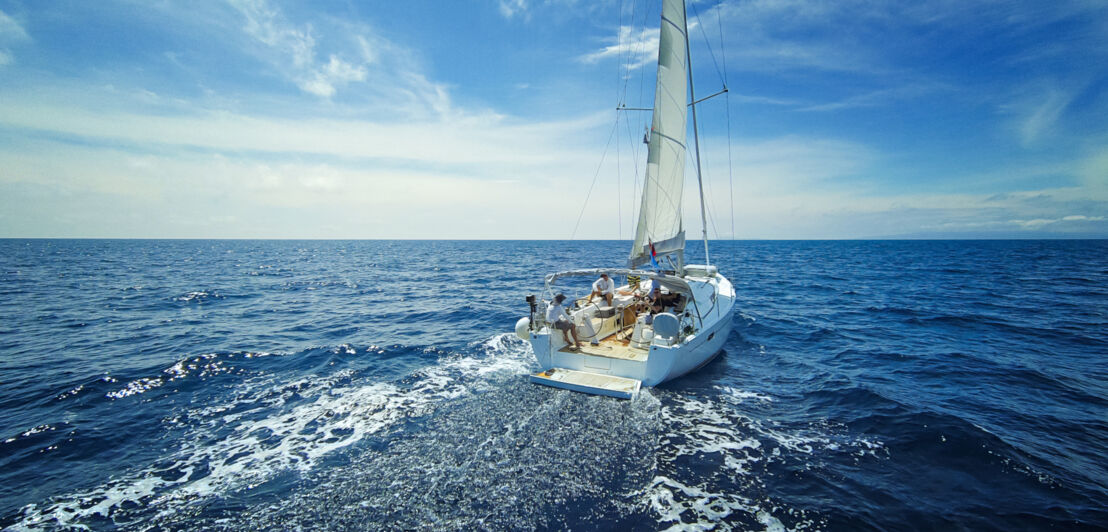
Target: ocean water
884	385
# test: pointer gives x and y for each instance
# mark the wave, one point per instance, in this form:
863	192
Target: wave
716	458
269	427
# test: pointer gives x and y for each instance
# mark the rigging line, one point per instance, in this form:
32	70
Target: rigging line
626	55
634	169
707	179
619	180
709	44
711	217
619	63
712	193
597	174
642	49
722	47
727	103
621	92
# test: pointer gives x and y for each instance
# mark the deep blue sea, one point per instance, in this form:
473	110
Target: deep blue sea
244	385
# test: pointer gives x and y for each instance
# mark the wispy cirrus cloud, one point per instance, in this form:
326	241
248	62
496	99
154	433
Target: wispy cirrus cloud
370	177
880	97
511	8
295	50
639	47
457	139
337	58
1038	111
11	32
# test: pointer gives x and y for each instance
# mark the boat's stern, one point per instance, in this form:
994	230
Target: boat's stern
541	345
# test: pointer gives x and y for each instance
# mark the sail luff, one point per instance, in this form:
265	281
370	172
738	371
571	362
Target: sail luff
660	211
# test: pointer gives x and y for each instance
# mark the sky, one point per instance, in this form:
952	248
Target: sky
497	118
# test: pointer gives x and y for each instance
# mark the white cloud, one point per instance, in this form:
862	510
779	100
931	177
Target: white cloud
1039	223
886	96
420	181
178	194
10	29
799	187
457	139
749	98
1037	113
294	50
1093	170
510	8
789	34
370	52
266	24
640	49
336	72
1080	217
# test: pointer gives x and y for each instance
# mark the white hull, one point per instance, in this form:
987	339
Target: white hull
659	361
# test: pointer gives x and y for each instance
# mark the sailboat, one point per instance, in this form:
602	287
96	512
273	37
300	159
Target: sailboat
666	318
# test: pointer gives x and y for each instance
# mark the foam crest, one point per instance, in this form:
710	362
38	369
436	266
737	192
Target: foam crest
38	429
198	296
677	503
201	366
505	356
735	395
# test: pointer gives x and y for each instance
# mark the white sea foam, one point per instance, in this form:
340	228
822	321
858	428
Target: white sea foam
738	396
198	296
717	430
271	426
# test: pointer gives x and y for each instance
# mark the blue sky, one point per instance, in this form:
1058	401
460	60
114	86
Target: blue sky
492	119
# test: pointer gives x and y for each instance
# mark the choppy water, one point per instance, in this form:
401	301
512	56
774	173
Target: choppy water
281	384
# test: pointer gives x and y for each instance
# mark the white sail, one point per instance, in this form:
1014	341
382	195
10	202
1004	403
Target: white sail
660	213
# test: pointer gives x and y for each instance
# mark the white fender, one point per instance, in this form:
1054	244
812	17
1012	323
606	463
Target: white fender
523	328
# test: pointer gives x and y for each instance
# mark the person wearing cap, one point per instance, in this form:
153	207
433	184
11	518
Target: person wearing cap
658	301
557	317
603	287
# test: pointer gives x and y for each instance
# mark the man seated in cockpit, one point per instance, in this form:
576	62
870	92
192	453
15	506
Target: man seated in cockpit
603	287
659	301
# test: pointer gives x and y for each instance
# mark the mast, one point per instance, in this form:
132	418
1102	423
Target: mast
696	133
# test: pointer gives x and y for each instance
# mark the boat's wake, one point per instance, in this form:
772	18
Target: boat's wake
714	459
465	442
271	427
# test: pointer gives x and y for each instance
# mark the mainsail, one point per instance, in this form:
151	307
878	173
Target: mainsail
660	212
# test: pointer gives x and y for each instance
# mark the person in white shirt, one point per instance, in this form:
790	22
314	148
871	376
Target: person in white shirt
557	317
603	287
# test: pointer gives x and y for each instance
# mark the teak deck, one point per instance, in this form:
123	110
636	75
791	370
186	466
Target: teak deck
610	347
